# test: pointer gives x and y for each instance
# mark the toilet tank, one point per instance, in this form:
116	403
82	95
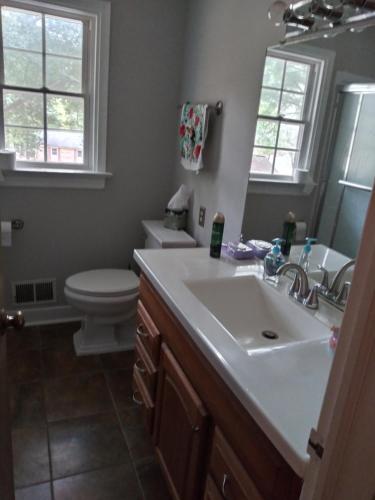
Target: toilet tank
158	236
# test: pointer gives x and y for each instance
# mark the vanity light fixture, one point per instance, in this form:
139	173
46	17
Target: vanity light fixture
327	12
314	18
280	13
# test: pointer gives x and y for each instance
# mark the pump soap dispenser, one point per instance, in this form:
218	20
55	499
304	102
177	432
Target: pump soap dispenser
305	254
274	259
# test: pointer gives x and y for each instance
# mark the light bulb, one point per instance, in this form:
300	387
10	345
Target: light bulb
276	12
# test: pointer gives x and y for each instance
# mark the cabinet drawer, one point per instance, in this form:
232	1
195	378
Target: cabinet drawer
230	477
211	491
145	368
141	398
148	334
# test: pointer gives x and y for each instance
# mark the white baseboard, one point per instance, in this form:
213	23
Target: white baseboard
50	315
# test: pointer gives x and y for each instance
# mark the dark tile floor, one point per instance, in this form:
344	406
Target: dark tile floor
76	433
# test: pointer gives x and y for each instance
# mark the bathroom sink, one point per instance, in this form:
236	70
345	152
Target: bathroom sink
255	314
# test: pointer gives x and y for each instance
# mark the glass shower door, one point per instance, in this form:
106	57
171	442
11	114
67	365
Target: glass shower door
352	171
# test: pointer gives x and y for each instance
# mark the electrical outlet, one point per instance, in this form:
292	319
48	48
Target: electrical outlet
202	216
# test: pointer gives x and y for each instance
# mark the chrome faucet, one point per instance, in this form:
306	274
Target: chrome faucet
337	292
336	287
300	288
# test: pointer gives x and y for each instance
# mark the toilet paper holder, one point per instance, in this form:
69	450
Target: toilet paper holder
17	224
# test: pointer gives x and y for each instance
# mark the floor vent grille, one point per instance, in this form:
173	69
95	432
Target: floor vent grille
41	291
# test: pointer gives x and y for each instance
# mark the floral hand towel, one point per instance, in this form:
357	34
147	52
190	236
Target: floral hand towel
193	131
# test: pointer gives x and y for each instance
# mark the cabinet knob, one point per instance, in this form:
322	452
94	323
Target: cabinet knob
141	332
224	485
7	321
137	401
139	367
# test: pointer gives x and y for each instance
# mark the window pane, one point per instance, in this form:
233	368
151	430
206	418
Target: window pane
292	105
23	108
266	133
65	121
64	36
24	69
65	112
273	72
262	161
21	29
296	76
63	73
27	142
284	162
269	102
64	146
289	136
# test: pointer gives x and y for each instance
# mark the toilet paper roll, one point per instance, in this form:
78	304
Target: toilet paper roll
301	231
7	159
6	233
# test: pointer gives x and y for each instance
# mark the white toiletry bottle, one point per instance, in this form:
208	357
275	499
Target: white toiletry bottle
304	260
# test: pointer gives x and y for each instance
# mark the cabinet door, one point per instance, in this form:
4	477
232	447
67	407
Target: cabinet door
180	432
211	492
228	472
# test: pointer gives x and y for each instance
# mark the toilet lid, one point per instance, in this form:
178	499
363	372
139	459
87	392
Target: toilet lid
108	282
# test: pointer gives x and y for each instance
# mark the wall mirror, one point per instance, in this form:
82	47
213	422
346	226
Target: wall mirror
314	147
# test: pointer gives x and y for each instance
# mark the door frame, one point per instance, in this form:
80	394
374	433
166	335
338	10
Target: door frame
6	456
345	427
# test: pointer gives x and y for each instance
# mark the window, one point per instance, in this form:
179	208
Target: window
285	124
53	85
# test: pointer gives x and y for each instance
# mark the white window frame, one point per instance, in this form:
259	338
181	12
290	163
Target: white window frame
95	14
322	62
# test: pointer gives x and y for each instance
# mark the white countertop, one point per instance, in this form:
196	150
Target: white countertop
282	388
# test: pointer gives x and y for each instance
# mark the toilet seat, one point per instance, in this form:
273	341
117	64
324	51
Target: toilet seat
103	283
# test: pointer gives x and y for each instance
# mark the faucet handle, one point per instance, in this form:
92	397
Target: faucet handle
343	295
312	301
324	284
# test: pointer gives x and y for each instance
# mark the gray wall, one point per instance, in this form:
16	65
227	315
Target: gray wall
67	231
264	214
225	48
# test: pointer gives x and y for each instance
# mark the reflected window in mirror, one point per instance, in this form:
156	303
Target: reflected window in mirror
286	116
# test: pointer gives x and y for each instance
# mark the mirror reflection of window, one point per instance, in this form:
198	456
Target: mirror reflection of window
289	88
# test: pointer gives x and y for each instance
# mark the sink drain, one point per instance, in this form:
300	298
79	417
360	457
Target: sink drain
270	335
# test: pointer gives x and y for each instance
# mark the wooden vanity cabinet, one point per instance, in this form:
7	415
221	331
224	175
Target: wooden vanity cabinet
208	445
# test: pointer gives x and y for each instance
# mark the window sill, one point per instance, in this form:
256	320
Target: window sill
53	178
281	187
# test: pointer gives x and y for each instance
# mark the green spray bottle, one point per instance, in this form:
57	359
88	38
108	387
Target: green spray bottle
217	235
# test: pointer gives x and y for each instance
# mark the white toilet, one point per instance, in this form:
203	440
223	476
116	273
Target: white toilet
108	298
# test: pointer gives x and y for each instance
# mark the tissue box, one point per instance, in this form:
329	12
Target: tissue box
175	219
